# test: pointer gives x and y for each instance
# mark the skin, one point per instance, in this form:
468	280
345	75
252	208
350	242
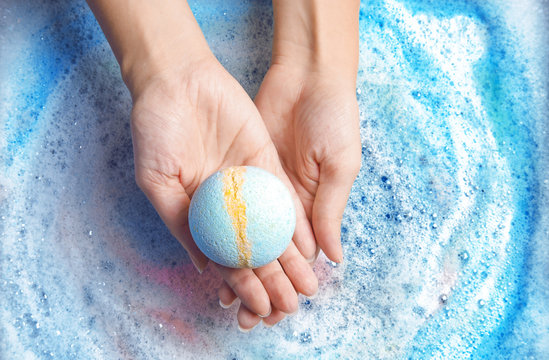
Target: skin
191	118
186	127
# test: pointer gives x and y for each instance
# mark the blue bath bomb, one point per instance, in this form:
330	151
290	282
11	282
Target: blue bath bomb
242	217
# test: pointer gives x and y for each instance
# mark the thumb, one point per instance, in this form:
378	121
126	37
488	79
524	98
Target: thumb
334	186
172	204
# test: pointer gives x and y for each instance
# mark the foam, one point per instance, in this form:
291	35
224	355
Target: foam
445	234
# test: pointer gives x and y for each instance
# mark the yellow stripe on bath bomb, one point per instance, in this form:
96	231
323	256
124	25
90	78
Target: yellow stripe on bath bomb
233	180
242	217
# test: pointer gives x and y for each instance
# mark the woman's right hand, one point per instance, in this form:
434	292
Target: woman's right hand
191	118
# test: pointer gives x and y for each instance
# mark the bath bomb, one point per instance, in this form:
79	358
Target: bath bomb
242	217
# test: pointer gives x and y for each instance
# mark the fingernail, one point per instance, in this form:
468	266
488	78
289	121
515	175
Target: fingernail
269	313
195	263
225	306
311	260
244	330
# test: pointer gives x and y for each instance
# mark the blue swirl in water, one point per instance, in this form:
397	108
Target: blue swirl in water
444	234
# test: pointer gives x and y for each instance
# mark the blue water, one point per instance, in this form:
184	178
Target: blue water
445	233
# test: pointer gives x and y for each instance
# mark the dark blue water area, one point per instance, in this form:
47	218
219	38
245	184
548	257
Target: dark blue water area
53	49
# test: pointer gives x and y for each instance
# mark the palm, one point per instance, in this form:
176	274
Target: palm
314	126
191	129
184	129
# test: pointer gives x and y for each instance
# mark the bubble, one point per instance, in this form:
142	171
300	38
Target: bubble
443	299
464	256
305	337
416	94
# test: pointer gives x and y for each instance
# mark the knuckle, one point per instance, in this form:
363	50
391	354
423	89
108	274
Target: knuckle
149	179
294	260
272	279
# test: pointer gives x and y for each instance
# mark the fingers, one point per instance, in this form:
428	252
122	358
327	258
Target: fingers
226	295
334	186
278	286
259	288
172	204
299	271
247	286
247	319
279	280
275	317
303	237
280	283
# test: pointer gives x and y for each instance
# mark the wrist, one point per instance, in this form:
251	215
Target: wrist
171	41
317	36
158	62
150	38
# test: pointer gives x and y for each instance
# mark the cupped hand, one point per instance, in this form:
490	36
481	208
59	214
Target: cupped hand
312	117
188	123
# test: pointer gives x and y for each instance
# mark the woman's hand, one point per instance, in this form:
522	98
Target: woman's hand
308	102
312	118
185	126
191	118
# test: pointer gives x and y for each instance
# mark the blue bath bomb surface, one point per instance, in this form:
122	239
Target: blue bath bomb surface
242	217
